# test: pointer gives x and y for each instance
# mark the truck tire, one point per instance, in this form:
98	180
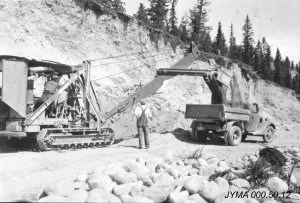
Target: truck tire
269	134
244	137
235	136
200	136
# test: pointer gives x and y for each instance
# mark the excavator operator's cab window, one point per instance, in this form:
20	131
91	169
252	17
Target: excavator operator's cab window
255	108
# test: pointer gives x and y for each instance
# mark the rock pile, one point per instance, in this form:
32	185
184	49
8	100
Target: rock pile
200	180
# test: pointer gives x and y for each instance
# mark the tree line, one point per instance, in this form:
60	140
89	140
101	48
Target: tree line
161	14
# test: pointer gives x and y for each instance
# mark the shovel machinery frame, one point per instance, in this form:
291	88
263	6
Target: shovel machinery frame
74	122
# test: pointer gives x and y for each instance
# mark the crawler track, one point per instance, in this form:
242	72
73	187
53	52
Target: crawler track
66	138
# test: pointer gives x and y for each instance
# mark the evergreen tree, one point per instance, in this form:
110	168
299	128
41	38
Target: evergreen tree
267	63
184	34
158	13
199	16
232	44
118	6
207	43
258	57
173	19
219	44
247	42
142	15
287	73
278	76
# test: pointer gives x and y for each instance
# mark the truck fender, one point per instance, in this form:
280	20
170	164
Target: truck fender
228	125
263	126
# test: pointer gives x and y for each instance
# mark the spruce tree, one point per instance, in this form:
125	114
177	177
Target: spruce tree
232	44
278	76
207	43
247	42
267	63
173	19
287	73
141	15
118	6
158	13
184	34
220	42
258	57
198	18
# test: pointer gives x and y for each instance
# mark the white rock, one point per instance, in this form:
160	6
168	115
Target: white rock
178	197
195	184
294	150
52	198
210	190
138	199
98	195
275	184
125	188
158	192
293	179
77	196
112	169
169	157
154	161
130	165
141	161
223	184
202	162
146	180
81	177
197	198
207	170
223	164
60	188
123	177
98	181
240	183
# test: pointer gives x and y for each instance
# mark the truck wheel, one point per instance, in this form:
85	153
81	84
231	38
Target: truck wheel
235	136
200	136
269	134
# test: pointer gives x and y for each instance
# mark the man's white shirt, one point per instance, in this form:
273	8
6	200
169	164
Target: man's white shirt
138	111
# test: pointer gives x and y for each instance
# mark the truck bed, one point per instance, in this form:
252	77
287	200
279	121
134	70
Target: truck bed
215	112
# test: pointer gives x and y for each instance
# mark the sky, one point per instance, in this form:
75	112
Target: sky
276	20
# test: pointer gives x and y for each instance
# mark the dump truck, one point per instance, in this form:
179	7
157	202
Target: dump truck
68	118
233	121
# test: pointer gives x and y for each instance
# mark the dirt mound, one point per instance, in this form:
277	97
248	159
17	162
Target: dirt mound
63	31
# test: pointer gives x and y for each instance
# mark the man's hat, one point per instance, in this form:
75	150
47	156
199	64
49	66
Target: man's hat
55	76
142	102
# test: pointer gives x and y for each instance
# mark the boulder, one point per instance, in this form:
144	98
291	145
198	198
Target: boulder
60	188
112	169
77	196
154	161
98	169
192	172
123	177
293	179
52	198
169	157
130	165
193	162
294	150
210	190
80	185
207	170
180	162
141	161
142	171
202	162
165	178
98	195
137	190
223	184
81	177
98	181
223	164
137	199
173	172
195	184
178	197
146	180
240	183
125	188
197	198
213	161
275	184
158	192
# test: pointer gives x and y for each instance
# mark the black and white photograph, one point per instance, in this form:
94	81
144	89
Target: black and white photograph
150	101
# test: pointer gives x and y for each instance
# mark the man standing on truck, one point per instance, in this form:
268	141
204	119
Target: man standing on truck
142	114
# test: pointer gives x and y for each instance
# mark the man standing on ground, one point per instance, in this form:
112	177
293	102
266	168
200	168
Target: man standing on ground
142	114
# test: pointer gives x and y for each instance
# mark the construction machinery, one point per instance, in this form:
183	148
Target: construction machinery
232	120
68	118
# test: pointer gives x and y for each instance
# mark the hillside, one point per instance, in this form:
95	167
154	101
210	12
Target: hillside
63	31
